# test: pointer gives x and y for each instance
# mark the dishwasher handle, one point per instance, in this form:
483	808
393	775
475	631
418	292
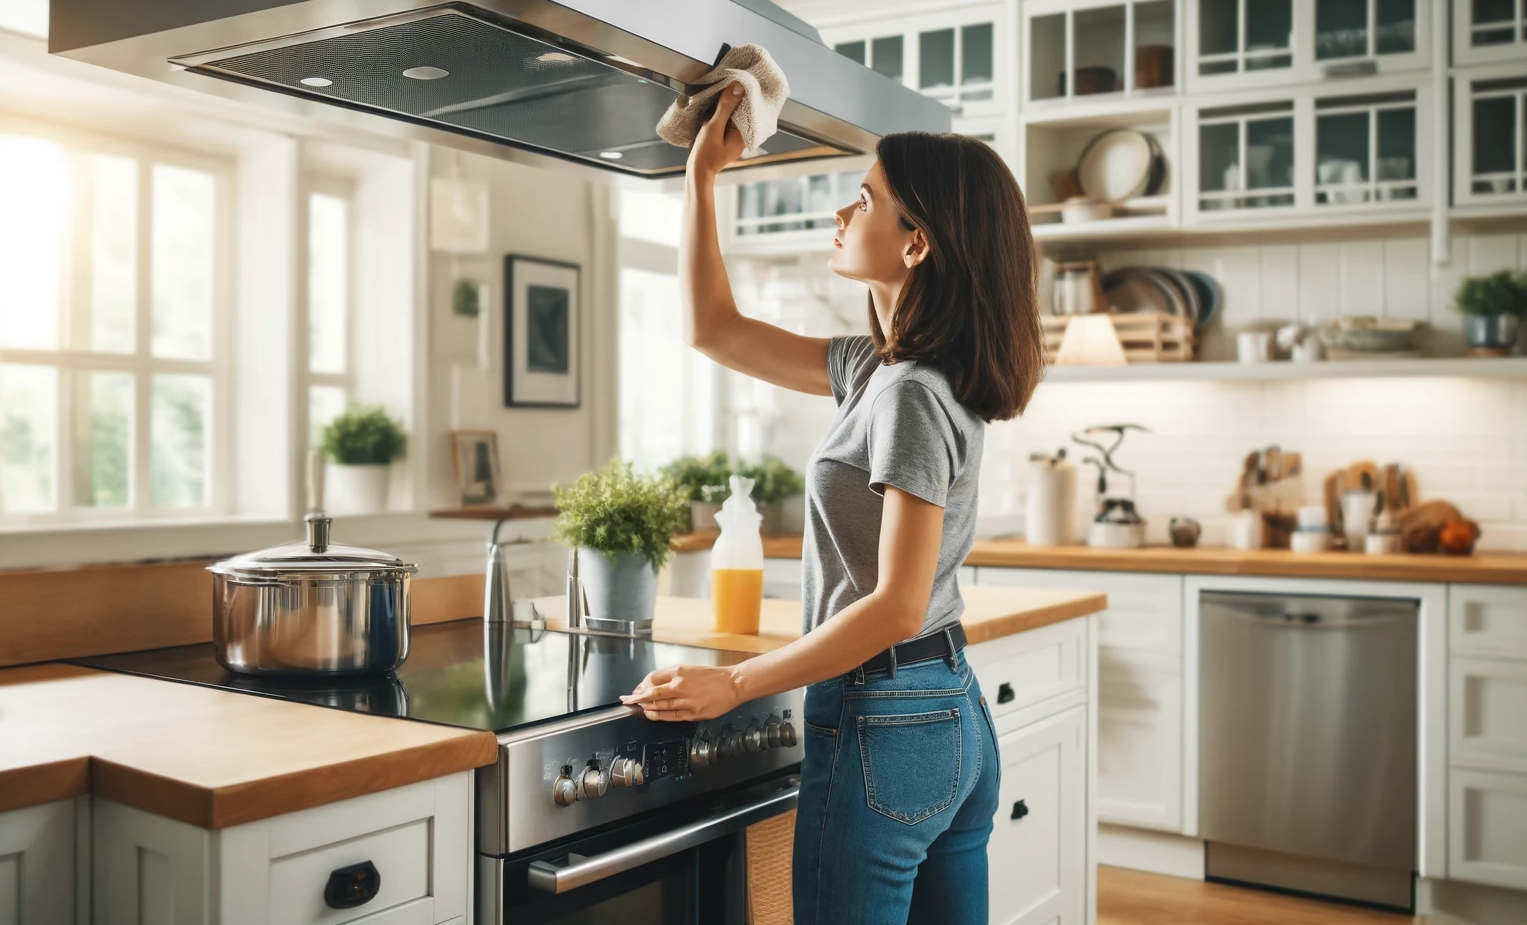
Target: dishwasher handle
1297	618
576	871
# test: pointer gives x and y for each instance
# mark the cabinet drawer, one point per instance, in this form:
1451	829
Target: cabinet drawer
1488	700
1144	611
400	856
1025	669
1487	620
1037	854
1487	832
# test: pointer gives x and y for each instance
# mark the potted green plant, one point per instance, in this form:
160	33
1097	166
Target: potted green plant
773	482
621	521
360	446
704	480
1492	308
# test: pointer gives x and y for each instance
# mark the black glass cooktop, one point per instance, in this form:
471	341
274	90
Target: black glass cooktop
455	674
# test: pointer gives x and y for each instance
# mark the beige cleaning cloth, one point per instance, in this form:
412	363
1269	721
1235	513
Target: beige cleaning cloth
764	91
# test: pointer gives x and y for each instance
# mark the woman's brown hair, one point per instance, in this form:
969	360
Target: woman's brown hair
971	306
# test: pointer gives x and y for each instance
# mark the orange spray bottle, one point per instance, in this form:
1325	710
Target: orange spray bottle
736	562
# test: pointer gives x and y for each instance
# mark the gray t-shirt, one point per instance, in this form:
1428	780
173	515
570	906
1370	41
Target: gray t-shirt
896	425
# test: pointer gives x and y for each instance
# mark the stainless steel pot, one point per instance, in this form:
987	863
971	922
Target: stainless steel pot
311	608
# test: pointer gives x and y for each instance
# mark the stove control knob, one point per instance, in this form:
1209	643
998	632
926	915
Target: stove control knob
627	772
701	753
729	745
737	744
771	733
592	784
755	739
787	735
563	791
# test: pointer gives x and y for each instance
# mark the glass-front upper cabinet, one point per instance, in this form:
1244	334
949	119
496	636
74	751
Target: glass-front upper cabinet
1247	43
958	57
1486	31
1490	122
1315	151
1366	150
1099	47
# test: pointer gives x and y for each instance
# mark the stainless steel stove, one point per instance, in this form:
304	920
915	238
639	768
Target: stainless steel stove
591	809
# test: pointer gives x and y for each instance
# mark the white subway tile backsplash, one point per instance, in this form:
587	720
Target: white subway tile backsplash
1492	252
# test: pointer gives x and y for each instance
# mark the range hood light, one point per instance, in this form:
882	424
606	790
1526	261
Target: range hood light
317	82
611	155
555	57
425	72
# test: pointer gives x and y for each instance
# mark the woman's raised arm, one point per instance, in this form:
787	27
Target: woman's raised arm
712	323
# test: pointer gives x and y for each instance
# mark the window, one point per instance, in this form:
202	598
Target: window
666	389
327	298
111	308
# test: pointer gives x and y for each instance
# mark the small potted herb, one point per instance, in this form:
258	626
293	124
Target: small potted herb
773	483
704	480
360	445
622	522
1492	308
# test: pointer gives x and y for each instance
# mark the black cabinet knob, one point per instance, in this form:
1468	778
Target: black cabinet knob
1005	693
352	886
1019	810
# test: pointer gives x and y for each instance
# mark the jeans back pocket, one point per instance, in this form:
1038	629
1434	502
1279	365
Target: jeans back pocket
911	763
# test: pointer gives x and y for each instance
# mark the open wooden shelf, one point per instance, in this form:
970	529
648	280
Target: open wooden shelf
512	512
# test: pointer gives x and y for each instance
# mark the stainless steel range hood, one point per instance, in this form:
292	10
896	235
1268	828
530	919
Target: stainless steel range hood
579	83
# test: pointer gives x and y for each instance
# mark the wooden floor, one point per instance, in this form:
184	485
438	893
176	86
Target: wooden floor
1131	897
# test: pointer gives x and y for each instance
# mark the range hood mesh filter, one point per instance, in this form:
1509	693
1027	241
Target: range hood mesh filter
497	84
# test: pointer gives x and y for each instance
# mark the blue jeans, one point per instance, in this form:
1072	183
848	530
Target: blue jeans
898	791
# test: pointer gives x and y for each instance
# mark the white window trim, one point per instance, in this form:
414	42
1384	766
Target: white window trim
341	188
69	360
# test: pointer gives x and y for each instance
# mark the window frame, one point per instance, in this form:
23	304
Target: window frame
71	359
341	188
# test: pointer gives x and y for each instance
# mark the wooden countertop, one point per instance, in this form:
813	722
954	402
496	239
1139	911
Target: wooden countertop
207	757
990	613
1491	568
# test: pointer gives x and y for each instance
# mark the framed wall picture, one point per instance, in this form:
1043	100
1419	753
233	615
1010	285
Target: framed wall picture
479	481
541	333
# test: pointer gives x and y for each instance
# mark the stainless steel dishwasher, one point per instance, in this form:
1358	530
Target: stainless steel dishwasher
1307	744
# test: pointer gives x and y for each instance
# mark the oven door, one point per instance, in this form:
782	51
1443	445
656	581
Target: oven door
686	865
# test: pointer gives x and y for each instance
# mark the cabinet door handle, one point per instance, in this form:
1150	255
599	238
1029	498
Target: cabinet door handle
1005	693
1019	810
352	886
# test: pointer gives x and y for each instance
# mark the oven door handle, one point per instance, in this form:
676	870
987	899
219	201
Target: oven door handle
576	871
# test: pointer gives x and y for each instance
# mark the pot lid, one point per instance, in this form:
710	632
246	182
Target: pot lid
315	554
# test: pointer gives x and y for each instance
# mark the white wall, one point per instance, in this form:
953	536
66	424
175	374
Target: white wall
534	213
1466	438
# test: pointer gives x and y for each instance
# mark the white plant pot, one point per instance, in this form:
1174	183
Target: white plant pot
355	489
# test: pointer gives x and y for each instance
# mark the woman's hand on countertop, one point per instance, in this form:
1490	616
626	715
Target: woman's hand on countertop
687	692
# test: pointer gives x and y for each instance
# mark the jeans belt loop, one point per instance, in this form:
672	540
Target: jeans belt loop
859	674
891	672
954	664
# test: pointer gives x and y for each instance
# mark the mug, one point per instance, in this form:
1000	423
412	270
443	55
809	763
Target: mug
1246	530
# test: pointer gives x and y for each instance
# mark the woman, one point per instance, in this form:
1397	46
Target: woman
899	779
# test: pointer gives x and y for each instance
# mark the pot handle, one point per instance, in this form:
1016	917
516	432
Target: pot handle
315	481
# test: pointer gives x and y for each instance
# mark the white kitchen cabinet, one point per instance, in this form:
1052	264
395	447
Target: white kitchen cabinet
1140	684
1102	49
408	850
40	864
1489	153
1235	44
1487	620
960	55
1487	714
1488	31
1310	153
1038	849
1487	832
1031	674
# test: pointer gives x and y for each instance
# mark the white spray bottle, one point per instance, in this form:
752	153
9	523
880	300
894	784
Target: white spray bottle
736	562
